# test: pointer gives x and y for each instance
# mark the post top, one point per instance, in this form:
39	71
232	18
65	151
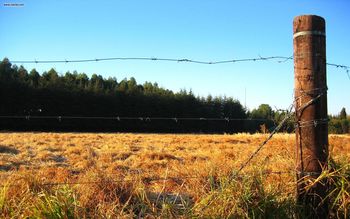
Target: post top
308	23
309	15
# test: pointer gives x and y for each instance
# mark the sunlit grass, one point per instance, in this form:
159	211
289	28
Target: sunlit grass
74	175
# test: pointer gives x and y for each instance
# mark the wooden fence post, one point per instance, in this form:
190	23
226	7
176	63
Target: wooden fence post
309	41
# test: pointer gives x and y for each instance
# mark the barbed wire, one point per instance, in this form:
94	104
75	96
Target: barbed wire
118	118
288	115
259	58
345	67
280	59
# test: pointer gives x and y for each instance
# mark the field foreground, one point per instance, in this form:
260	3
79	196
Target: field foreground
78	175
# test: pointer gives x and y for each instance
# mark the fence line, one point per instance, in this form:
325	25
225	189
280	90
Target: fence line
118	118
288	115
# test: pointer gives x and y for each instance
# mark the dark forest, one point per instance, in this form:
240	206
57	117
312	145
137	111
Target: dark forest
49	101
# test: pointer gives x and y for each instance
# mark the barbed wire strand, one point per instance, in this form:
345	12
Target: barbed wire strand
288	115
28	117
280	59
259	58
283	58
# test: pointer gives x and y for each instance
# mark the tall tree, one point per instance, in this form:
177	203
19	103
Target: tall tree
34	78
22	74
82	80
5	70
343	114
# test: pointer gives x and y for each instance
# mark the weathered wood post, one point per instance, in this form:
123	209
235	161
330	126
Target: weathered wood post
311	111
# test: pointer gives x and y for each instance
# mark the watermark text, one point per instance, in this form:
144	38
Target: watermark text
13	5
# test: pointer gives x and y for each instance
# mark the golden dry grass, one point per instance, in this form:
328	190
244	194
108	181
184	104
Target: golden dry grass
36	158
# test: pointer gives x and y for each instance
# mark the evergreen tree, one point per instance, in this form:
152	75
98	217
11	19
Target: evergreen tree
343	114
34	78
22	74
6	70
82	80
123	86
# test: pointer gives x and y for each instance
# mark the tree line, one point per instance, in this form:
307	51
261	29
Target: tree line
26	93
49	93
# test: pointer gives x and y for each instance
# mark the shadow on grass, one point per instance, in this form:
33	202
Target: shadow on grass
8	150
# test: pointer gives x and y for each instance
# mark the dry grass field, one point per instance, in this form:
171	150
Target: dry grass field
74	175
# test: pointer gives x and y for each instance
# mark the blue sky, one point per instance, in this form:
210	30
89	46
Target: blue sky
193	29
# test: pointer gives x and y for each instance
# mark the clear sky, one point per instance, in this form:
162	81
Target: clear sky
192	29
